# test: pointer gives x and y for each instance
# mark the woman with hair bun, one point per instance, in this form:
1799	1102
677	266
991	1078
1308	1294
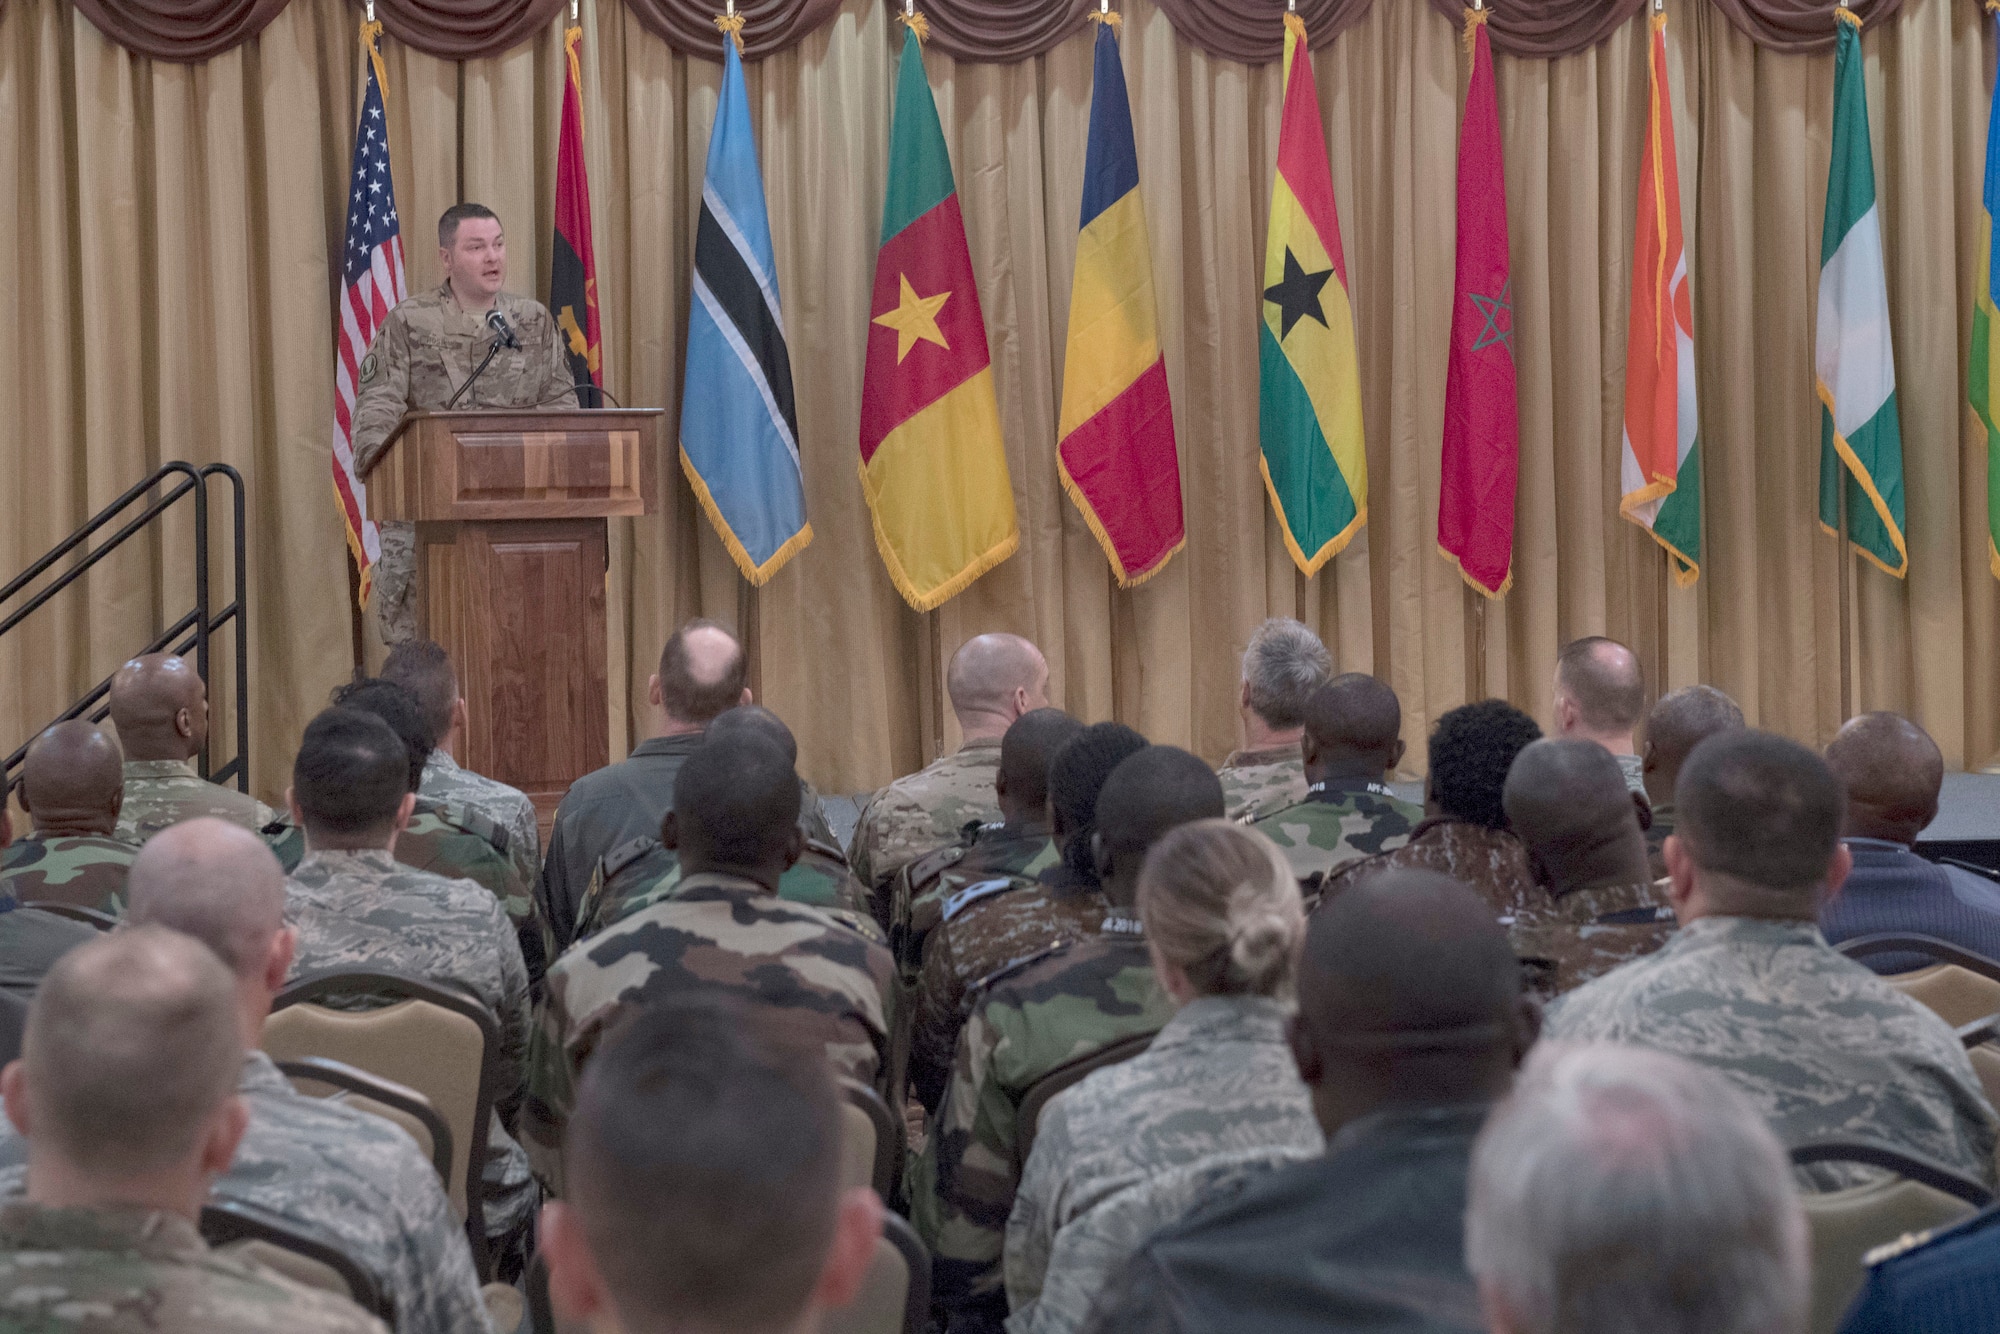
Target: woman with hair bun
1215	1098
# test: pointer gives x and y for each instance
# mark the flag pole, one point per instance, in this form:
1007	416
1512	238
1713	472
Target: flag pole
1846	663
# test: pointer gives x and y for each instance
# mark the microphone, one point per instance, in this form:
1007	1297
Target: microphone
503	336
501	329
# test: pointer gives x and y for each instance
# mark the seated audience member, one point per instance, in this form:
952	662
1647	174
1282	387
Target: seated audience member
1622	1189
125	1096
1822	1047
1679	722
1464	832
1944	1281
990	923
159	704
320	1165
704	1184
725	932
1125	1151
1892	773
1353	737
1058	1005
1411	1021
992	680
1283	665
71	788
355	907
423	668
1598	906
30	940
1600	695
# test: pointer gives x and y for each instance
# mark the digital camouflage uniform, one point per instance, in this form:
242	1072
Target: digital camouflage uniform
920	890
159	793
1566	940
1490	862
421	356
924	811
1340	820
989	924
138	1271
643	873
1823	1047
459	843
1060	1005
82	870
1218	1085
445	780
1256	782
362	910
351	1177
823	984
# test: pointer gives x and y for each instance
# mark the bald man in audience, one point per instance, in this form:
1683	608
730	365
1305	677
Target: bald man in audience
1892	772
125	1096
1283	664
159	704
992	680
1600	695
1410	1024
1680	721
1599	905
71	786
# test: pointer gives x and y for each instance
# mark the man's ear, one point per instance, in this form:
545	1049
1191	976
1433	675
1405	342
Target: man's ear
653	695
1838	869
278	959
292	805
1304	1055
1396	753
576	1288
1000	785
458	715
1680	876
183	722
404	810
856	1229
14	1093
224	1133
117	801
746	698
1243	696
1649	762
1308	749
795	847
1527	1026
670	831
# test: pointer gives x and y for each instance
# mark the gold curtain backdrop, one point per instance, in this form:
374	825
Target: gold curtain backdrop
166	292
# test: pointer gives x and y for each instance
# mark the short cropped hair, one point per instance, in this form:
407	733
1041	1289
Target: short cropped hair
422	667
132	1041
1220	903
737	797
1610	696
1762	811
399	708
1684	718
1471	751
1624	1189
1283	664
1153	791
351	774
692	700
703	1162
448	221
1027	749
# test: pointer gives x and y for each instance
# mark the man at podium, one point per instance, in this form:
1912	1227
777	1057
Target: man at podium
465	345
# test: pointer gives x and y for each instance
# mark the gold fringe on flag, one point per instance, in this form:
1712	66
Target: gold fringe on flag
1296	26
1993	6
1105	15
913	19
1845	15
1474	20
732	24
371	32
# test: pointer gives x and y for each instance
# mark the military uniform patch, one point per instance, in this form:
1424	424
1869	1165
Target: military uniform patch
974	892
625	854
369	368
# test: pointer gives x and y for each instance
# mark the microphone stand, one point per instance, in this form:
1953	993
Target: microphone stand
491	353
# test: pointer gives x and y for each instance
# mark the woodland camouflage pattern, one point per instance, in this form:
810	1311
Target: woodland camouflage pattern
1218	1083
1256	782
82	870
445	780
1065	1003
454	841
134	1271
1569	939
1823	1047
823	984
643	873
1339	821
924	811
922	888
1491	862
351	1177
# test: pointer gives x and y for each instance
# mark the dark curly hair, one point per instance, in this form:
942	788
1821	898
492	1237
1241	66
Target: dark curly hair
1076	776
1472	748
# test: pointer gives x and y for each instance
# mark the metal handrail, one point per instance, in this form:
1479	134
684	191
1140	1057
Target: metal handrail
189	632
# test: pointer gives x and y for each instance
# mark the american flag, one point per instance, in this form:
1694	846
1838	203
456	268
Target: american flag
371	285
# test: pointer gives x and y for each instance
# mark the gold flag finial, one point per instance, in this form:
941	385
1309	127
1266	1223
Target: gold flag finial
1845	15
1475	19
1103	14
913	19
731	24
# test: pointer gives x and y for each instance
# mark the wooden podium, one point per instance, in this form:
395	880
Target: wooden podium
510	508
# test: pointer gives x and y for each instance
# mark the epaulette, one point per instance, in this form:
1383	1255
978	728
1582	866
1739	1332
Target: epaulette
977	991
826	850
1911	1241
969	831
274	829
975	831
476	824
859	923
976	891
933	864
625	854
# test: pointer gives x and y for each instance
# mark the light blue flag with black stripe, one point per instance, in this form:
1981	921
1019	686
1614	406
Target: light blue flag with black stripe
739	428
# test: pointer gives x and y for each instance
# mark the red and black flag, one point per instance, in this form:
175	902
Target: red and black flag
573	270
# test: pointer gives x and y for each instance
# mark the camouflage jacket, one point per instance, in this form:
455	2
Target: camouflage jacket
159	793
823	984
135	1271
642	873
988	924
427	348
1256	782
82	870
351	1177
510	808
1067	1002
921	889
1340	820
1569	939
1491	862
1823	1047
924	811
1218	1084
454	841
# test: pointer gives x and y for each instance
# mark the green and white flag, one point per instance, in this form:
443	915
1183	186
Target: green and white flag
1852	357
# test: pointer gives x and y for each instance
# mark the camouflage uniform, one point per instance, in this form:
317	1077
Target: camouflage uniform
136	1271
1633	767
987	925
924	811
1823	1047
920	890
82	870
1218	1083
1491	862
1665	817
362	910
456	842
510	808
1340	820
823	984
1060	1005
421	355
159	793
643	873
1569	939
351	1177
1255	782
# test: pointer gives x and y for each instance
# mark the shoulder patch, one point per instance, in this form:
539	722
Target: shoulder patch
976	892
625	854
369	369
858	923
977	991
480	826
814	845
933	864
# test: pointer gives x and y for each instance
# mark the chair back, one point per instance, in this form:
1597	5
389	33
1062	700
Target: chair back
1959	985
246	1231
871	1139
895	1297
1062	1077
76	912
319	1077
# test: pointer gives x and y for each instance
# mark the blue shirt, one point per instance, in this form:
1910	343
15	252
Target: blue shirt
1893	890
1948	1284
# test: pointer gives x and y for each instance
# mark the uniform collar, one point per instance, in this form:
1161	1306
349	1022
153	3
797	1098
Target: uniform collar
336	860
721	882
1340	789
1247	759
262	1075
159	769
441	761
1225	1019
151	1233
979	743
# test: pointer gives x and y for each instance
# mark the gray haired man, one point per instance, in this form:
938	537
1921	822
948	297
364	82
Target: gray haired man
1283	665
